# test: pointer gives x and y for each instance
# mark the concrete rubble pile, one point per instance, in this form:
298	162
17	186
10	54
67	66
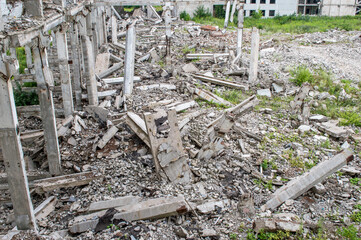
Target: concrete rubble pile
179	157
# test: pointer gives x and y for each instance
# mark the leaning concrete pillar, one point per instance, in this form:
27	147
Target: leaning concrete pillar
129	60
253	69
66	89
240	28
44	81
89	73
233	10
75	53
13	158
228	7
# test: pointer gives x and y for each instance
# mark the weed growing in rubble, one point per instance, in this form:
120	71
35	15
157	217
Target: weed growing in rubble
233	236
300	75
21	56
202	13
349	232
355	181
232	96
185	16
23	98
187	50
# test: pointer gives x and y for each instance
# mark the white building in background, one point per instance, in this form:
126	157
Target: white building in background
271	8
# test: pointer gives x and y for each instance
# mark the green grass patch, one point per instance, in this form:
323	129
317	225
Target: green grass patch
232	96
208	104
21	56
297	24
349	233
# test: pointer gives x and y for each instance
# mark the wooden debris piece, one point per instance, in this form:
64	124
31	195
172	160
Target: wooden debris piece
45	208
211	97
113	203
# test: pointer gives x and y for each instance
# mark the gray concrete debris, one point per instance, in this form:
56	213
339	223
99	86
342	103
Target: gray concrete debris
316	175
332	129
113	203
264	92
211	206
190	68
318	118
277	88
283	221
211	149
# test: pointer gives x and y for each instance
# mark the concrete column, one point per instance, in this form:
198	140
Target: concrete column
233	10
228	8
168	30
89	73
82	31
66	89
75	52
29	58
14	159
44	81
240	28
149	11
1	20
129	60
34	7
114	29
253	68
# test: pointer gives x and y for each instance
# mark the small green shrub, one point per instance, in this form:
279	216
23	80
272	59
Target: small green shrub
202	13
257	14
185	16
300	75
349	233
23	98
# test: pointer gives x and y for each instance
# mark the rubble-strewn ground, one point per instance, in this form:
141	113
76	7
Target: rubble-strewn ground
284	152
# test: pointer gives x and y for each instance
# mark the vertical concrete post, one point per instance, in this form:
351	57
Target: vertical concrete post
14	158
29	58
82	31
233	10
63	56
240	28
75	53
168	30
114	30
1	20
253	69
129	60
89	73
149	11
44	82
228	8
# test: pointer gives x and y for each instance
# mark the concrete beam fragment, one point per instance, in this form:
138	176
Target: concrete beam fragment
316	175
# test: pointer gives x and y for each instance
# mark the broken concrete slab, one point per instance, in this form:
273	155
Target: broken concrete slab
210	97
221	82
304	128
211	149
210	206
283	221
107	136
277	88
318	118
102	62
264	92
119	80
159	85
113	203
316	175
150	209
71	180
190	68
332	129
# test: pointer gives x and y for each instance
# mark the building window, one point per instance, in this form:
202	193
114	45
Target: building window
272	2
272	13
245	13
301	1
263	1
263	13
251	12
253	1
